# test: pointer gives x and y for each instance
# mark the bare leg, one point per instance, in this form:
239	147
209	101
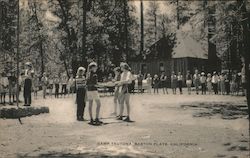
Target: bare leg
98	107
90	109
122	104
127	97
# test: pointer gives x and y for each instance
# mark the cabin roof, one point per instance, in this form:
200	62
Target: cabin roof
186	46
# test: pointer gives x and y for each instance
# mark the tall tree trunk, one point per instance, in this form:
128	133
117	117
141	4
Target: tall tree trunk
84	32
125	10
42	56
178	14
142	28
246	46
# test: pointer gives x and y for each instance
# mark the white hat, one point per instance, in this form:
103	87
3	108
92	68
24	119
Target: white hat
81	69
125	65
202	73
93	64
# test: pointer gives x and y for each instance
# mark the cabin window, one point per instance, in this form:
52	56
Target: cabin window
161	67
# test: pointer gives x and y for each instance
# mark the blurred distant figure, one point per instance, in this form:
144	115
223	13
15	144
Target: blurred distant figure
35	85
149	83
215	79
179	81
140	79
196	81
57	84
27	89
233	84
156	82
12	88
173	82
203	83
50	87
222	83
163	80
71	84
243	78
189	81
4	83
64	82
209	83
44	83
227	84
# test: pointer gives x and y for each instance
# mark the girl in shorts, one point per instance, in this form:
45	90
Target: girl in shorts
92	93
117	71
126	79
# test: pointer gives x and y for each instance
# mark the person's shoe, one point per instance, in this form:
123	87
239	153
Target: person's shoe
119	117
80	119
10	103
91	122
127	119
98	122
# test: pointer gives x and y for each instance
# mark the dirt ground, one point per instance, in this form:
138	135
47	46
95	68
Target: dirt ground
162	128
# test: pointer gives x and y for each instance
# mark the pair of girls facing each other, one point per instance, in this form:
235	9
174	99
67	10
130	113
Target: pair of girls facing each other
123	80
122	92
88	82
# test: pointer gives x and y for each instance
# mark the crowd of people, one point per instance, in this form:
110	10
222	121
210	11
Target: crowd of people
223	83
120	82
85	85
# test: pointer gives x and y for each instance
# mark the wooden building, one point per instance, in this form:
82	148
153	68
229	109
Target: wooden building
183	54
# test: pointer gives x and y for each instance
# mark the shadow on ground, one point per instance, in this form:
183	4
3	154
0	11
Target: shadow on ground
88	155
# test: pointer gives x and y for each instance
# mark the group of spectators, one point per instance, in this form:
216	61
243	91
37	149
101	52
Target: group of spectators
224	83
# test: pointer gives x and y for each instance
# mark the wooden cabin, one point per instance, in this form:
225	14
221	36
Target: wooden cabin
183	54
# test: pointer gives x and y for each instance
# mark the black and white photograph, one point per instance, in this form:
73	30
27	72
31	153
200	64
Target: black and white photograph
124	78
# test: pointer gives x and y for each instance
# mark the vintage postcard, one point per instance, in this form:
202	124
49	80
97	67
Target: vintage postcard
124	78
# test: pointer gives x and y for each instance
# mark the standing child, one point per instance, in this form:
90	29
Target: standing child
222	83
227	84
156	82
173	82
12	88
44	82
117	78
71	84
57	84
179	81
196	81
209	83
215	80
27	88
80	83
50	81
35	85
163	80
149	83
203	83
92	93
5	83
64	82
189	81
140	79
126	79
